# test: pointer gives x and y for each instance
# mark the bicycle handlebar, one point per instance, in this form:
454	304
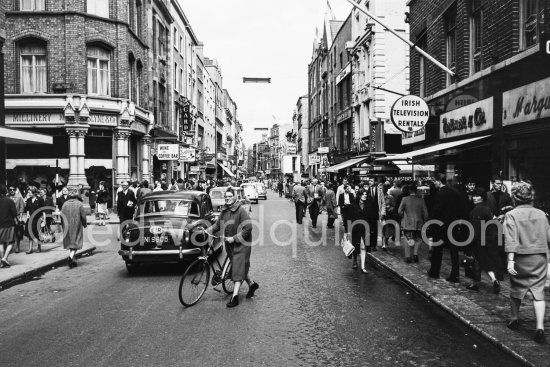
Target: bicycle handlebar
212	235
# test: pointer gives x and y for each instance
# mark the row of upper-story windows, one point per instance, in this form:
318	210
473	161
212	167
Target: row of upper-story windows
33	71
531	20
95	7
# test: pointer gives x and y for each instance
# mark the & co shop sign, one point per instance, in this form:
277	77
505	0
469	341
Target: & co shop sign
410	113
467	120
168	152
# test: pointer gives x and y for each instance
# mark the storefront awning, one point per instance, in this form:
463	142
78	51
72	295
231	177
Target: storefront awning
226	170
434	148
13	136
406	168
346	164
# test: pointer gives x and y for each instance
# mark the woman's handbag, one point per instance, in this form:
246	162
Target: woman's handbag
46	235
347	247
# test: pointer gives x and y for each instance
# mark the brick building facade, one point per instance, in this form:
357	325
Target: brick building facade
497	50
78	71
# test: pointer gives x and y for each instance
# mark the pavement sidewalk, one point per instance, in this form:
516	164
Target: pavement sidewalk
484	312
25	267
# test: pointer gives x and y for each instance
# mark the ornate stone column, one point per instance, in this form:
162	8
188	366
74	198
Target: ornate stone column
122	154
146	149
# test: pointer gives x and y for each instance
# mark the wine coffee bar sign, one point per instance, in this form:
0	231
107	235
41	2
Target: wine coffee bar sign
526	103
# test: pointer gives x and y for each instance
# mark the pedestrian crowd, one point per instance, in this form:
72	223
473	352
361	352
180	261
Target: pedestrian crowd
499	231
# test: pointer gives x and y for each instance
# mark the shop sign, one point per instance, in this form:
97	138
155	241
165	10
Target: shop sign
314	159
324	161
344	115
322	150
187	155
415	137
194	168
267	171
101	119
410	113
291	149
168	152
460	101
526	103
186	117
345	71
467	120
39	118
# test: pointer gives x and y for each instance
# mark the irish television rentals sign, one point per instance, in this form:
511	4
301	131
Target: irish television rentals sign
410	113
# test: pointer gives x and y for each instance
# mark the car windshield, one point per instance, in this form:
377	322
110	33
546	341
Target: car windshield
179	207
216	194
260	187
249	187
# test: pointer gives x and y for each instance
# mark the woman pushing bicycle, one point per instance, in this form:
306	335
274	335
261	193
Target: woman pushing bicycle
236	228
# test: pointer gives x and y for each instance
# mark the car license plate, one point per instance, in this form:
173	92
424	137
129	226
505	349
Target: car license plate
156	239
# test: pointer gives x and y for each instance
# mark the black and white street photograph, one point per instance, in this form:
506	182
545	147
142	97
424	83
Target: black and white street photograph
274	183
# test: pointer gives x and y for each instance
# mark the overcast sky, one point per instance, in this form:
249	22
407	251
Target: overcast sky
261	38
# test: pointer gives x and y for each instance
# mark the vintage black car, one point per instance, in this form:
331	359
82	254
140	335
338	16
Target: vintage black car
165	228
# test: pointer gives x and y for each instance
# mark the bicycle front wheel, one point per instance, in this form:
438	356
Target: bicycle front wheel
227	283
194	282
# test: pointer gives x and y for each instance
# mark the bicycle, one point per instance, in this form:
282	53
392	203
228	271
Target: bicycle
196	278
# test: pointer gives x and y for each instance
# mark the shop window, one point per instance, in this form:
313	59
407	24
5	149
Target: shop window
33	68
98	7
450	31
532	21
99	81
476	36
32	5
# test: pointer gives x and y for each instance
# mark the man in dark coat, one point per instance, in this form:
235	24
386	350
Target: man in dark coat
497	199
280	188
447	209
375	208
345	200
63	198
315	194
126	202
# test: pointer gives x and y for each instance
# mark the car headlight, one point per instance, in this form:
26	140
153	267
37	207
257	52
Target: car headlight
186	236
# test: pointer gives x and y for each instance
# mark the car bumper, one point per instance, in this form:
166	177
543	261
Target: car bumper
130	254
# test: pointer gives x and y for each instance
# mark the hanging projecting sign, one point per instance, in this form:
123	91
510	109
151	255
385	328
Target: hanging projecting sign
187	155
168	152
322	150
314	159
410	113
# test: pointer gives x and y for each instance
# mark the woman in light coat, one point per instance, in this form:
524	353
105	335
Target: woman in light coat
74	222
414	214
527	238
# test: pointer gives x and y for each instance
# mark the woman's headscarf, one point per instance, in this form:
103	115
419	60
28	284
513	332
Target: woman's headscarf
522	193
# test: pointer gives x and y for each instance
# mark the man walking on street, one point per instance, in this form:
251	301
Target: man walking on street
376	210
280	188
315	193
20	208
126	202
446	209
344	202
300	200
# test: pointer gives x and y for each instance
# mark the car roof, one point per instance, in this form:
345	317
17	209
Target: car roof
187	195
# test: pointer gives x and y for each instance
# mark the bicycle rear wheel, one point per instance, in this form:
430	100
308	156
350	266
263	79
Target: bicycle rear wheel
227	283
194	282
